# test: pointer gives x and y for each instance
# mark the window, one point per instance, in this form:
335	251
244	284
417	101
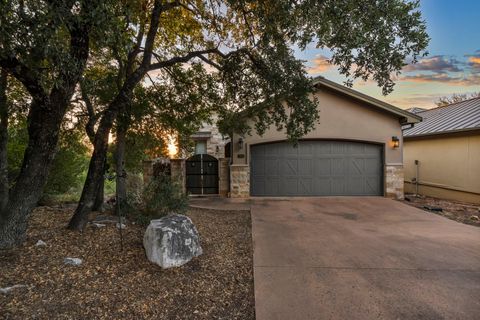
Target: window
200	147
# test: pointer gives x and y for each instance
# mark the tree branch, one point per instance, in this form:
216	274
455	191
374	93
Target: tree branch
182	59
25	75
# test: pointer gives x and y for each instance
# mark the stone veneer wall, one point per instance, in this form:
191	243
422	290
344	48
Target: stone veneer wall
223	176
216	139
177	167
147	171
239	181
394	181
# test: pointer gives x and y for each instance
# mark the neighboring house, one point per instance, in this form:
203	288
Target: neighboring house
356	149
442	153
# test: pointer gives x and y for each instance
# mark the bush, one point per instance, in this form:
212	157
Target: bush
162	196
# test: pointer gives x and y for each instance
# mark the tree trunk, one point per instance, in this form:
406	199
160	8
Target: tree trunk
43	129
100	197
96	168
3	139
121	189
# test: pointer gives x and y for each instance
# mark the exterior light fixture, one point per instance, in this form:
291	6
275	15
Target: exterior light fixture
240	143
395	142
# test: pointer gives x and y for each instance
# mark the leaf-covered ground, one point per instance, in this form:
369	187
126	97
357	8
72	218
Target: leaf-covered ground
459	211
123	285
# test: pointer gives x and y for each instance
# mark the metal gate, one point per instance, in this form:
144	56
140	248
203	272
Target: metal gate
202	174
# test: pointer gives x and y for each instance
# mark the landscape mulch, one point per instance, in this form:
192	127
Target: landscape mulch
467	213
110	284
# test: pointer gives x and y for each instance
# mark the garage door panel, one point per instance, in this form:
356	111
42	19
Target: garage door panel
288	186
322	186
305	167
323	167
258	167
288	167
356	167
317	168
338	166
356	186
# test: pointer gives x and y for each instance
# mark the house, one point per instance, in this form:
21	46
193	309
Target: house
355	149
442	153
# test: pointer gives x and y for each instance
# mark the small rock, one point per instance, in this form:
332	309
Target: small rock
73	261
7	290
171	241
474	218
432	208
121	225
40	243
99	225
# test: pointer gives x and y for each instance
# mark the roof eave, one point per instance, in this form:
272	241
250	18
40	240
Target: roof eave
405	117
440	133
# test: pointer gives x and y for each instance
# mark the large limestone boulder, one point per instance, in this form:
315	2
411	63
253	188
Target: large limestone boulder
171	241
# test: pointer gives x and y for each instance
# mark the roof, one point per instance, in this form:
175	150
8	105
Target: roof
415	110
404	116
455	117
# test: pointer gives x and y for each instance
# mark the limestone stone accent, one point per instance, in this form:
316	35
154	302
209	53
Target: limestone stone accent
239	181
223	176
178	173
216	142
147	171
394	181
171	241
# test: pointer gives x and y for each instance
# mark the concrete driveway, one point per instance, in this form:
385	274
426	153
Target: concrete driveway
362	258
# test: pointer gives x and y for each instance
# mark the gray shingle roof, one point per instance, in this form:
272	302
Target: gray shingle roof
455	117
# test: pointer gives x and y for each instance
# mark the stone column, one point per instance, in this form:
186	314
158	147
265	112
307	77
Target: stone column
394	181
239	181
147	171
178	174
223	176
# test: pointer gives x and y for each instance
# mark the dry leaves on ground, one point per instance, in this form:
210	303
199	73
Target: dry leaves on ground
110	284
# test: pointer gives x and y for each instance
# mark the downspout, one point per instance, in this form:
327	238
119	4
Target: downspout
416	177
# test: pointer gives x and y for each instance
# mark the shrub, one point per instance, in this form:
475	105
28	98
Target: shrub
163	196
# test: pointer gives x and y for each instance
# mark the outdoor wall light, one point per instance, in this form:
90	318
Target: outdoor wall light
395	142
240	143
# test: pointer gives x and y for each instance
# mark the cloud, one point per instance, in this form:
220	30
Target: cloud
320	64
436	64
474	61
426	101
468	80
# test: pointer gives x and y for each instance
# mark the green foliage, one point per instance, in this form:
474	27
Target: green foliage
69	167
162	196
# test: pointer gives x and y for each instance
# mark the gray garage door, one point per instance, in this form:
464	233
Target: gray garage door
316	168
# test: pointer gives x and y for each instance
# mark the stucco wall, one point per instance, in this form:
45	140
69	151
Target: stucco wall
343	118
340	118
449	166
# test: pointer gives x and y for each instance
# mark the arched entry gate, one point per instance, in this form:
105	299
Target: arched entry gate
202	174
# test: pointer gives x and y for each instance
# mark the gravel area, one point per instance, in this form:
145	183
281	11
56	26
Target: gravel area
467	213
110	284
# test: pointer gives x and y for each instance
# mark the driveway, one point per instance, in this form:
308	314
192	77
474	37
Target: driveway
362	258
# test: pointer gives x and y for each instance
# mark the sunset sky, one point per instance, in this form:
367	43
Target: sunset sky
452	64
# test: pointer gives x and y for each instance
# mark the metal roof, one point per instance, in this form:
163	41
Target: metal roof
415	110
404	116
455	117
